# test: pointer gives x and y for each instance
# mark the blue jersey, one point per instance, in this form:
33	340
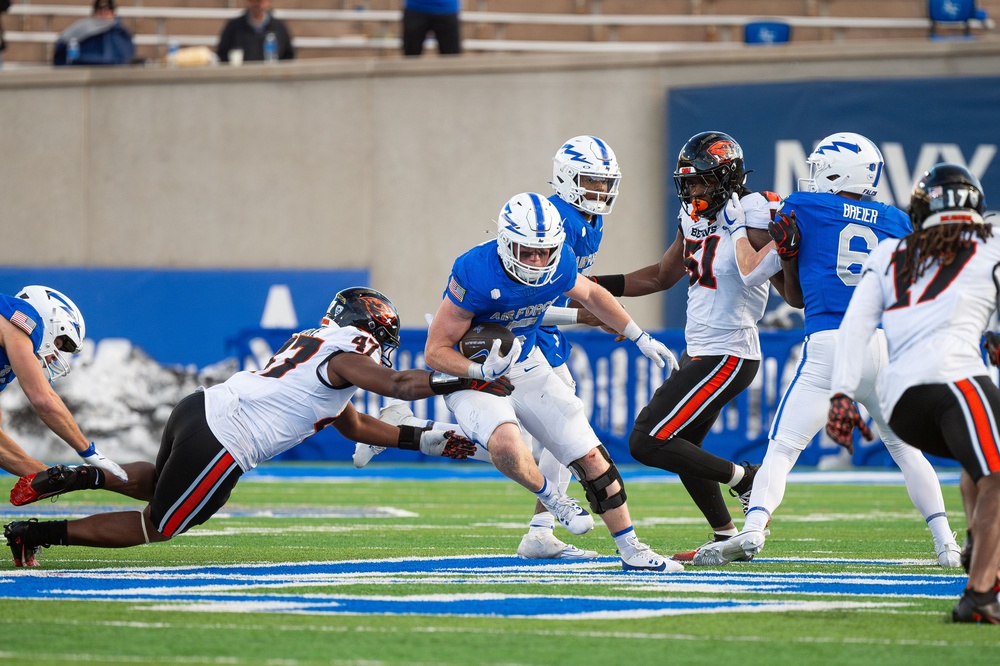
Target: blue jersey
480	285
837	236
585	239
25	317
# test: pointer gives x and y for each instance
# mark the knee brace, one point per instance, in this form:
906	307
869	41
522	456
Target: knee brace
597	490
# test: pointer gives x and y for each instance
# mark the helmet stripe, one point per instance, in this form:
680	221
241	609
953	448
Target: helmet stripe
605	157
540	227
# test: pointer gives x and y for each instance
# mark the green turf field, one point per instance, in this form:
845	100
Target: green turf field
421	572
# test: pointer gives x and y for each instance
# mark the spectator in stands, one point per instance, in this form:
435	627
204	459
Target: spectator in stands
249	31
421	17
100	39
4	6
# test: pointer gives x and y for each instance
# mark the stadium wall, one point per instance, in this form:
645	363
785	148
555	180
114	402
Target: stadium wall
389	167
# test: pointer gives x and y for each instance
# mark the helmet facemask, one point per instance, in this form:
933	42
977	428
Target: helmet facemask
529	221
61	320
579	158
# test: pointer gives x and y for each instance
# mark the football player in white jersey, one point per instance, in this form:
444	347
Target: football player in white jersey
723	246
934	293
824	232
215	435
512	281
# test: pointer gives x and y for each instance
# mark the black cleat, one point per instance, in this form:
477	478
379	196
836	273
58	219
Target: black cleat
965	557
742	489
21	545
53	481
977	607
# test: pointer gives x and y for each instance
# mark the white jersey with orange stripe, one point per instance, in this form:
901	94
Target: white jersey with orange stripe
258	414
933	325
722	312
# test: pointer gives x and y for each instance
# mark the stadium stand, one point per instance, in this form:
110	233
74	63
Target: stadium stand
332	28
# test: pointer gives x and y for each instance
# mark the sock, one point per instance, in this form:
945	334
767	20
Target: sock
940	530
624	540
50	533
98	478
727	533
739	471
547	489
542	521
769	484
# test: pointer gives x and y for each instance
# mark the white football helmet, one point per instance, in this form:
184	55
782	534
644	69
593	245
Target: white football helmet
532	221
60	319
586	156
844	162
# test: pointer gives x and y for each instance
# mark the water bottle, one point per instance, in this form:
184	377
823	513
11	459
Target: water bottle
173	47
270	48
72	52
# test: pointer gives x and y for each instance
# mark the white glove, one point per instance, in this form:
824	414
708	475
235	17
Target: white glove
734	216
495	365
656	351
93	457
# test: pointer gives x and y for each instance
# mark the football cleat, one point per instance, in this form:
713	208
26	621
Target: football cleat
363	453
21	546
53	481
543	545
743	489
739	548
950	555
640	557
688	556
569	514
977	607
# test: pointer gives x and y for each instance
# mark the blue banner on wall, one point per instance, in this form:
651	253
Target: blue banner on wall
915	122
186	316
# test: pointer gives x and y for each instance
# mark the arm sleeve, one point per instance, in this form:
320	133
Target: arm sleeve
863	316
557	316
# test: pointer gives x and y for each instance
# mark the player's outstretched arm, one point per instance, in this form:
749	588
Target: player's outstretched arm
15	460
369	430
649	279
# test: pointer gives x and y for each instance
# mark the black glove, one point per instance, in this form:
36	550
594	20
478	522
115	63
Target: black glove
443	384
992	346
843	419
784	231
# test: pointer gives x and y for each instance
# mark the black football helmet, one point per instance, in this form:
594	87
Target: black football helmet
370	311
946	194
715	161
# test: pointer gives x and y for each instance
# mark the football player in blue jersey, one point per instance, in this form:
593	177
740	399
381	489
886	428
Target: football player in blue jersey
823	234
512	281
38	328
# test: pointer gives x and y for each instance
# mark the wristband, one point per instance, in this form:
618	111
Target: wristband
409	438
476	371
558	316
89	451
443	384
613	283
632	331
738	232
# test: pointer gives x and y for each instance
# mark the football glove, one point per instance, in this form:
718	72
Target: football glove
843	419
734	215
992	346
443	384
784	231
495	365
656	351
94	457
447	444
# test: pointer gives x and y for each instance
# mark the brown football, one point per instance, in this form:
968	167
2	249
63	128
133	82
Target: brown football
475	345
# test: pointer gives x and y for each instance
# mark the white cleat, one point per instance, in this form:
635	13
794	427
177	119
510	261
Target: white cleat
740	547
543	545
363	453
569	514
950	555
640	557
